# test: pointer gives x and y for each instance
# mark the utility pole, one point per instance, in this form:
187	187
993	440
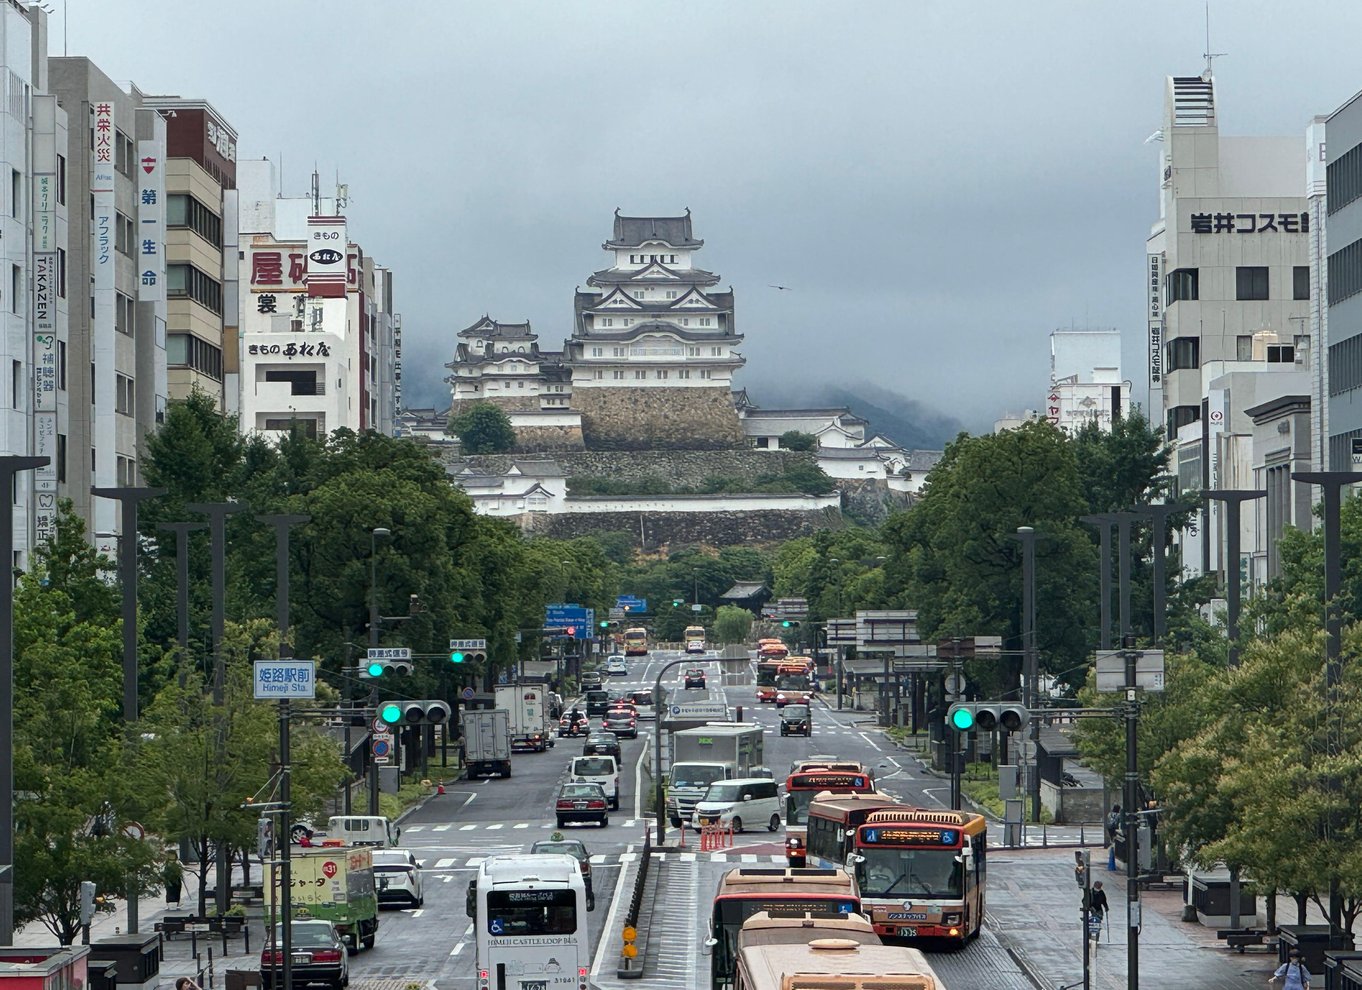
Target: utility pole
1030	661
1123	521
1131	811
1103	521
1083	874
127	578
9	467
1234	502
217	513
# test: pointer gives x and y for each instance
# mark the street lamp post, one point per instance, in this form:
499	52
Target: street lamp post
1234	502
370	769
1103	520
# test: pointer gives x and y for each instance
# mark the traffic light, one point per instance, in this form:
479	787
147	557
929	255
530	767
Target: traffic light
264	838
467	656
375	669
1082	866
456	656
87	902
987	716
605	623
414	712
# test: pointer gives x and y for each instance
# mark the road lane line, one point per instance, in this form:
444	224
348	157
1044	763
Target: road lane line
638	775
467	828
606	938
440	828
521	825
457	949
498	825
441	864
871	741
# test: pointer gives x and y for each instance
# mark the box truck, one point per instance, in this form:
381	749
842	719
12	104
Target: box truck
487	742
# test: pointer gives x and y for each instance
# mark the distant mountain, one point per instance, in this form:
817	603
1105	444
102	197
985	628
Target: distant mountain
898	417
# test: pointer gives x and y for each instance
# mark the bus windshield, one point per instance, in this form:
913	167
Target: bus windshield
887	872
797	806
730	913
515	913
766	676
793	682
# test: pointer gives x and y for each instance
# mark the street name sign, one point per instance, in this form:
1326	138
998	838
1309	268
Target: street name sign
390	653
699	709
285	680
468	644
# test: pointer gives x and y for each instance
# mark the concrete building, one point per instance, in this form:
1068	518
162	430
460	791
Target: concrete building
1228	286
317	335
116	359
200	170
1086	385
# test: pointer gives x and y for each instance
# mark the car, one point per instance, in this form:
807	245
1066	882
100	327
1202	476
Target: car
616	667
602	743
582	802
397	877
319	956
622	722
695	646
615	656
591	679
560	844
695	677
603	770
739	803
574	723
644	704
796	720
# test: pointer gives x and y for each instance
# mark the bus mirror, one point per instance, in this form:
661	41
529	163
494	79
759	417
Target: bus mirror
855	859
707	946
470	902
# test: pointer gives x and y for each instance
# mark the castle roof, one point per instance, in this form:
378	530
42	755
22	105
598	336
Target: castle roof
654	272
488	327
635	231
660	326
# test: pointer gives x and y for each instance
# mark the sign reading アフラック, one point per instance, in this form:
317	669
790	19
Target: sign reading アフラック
285	680
1250	223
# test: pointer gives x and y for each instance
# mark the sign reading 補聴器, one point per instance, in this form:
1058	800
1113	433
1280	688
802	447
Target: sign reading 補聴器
285	680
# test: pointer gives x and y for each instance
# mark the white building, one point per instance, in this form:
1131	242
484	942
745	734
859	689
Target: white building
318	337
1086	385
501	363
1228	286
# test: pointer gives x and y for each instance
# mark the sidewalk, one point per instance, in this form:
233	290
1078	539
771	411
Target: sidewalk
1033	907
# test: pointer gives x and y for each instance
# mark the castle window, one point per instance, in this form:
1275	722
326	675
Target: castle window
704	321
662	374
692	352
597	351
633	259
628	322
673	259
599	374
640	374
704	372
671	293
607	321
716	351
685	322
683	373
618	351
618	374
520	384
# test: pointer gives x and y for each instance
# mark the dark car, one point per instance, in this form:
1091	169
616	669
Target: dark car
597	701
319	957
695	677
574	723
562	845
582	803
622	722
796	720
602	743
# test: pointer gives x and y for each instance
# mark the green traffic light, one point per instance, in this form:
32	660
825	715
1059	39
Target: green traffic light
376	670
785	624
962	719
392	714
456	657
605	624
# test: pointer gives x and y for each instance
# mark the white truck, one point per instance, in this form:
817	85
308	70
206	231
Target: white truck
700	756
487	742
528	707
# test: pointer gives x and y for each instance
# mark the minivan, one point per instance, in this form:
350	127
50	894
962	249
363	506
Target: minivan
362	830
740	802
603	770
597	701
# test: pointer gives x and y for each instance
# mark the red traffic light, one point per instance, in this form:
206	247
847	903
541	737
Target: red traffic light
572	630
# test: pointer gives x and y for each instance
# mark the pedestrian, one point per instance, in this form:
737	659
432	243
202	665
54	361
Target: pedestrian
1098	902
1113	835
1293	973
305	839
172	876
186	983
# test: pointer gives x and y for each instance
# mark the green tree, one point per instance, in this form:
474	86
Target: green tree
797	440
483	428
732	624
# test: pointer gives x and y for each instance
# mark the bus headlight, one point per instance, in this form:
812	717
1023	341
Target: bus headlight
954	933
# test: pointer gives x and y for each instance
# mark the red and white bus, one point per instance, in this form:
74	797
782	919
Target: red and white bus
800	790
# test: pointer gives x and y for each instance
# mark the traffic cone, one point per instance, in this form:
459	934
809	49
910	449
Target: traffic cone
440	789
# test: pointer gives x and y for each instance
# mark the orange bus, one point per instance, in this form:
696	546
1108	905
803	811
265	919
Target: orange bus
922	873
800	790
794	682
832	824
833	963
772	649
636	642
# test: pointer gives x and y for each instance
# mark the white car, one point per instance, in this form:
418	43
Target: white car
603	770
615	666
695	646
748	802
397	877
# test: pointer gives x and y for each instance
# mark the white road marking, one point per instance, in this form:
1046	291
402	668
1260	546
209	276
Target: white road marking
467	828
602	947
871	742
441	864
457	949
597	860
521	825
475	860
749	857
441	828
415	912
492	828
686	857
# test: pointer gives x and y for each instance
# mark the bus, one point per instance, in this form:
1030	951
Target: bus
529	923
922	872
834	964
832	825
694	634
800	789
743	892
764	928
636	642
794	681
772	649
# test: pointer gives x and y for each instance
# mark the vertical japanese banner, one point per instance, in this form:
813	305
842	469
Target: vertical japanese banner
326	261
45	393
151	222
1154	288
102	343
45	212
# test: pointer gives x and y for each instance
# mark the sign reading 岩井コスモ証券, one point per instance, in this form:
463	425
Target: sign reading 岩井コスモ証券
285	680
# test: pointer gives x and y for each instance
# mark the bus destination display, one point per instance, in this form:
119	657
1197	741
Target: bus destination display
904	836
828	780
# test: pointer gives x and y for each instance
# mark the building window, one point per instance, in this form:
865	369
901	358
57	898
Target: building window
123	235
1183	283
1343	180
640	374
1243	347
307	427
61	365
683	373
662	374
617	374
16	383
1180	416
617	352
692	352
61	273
125	314
685	321
186	211
123	154
184	350
16	191
704	372
607	321
716	351
16	287
671	294
598	374
1281	354
1345	272
1250	283
123	394
705	321
61	180
597	351
127	470
61	458
302	382
1300	282
186	280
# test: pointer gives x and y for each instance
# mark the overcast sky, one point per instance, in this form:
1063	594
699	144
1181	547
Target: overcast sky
939	184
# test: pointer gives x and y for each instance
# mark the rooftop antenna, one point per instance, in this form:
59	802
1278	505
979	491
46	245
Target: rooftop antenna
1209	55
316	193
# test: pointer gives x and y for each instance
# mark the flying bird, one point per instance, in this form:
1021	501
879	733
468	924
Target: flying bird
783	288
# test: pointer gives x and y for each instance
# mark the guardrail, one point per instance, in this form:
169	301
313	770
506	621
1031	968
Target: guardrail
640	881
630	965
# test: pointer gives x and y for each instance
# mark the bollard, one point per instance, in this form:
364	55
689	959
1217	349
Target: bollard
224	938
194	943
246	937
210	968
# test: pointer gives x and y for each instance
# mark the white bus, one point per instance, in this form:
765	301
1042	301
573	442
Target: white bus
529	923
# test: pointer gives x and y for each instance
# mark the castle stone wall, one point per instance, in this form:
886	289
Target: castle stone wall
682	468
658	418
711	528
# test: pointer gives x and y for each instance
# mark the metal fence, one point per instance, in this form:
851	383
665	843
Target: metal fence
641	880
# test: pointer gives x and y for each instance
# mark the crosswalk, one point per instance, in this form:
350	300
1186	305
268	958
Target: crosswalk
493	826
459	863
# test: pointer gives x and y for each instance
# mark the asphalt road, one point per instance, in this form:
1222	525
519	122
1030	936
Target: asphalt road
475	819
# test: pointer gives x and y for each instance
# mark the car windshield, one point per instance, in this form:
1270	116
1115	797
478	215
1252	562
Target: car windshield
723	792
314	936
619	713
574	849
642	697
796	712
684	775
392	867
596	696
593	767
580	791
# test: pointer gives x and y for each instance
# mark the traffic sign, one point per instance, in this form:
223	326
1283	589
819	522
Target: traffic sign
699	709
380	725
285	680
1357	451
468	694
468	644
390	653
1111	671
382	747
